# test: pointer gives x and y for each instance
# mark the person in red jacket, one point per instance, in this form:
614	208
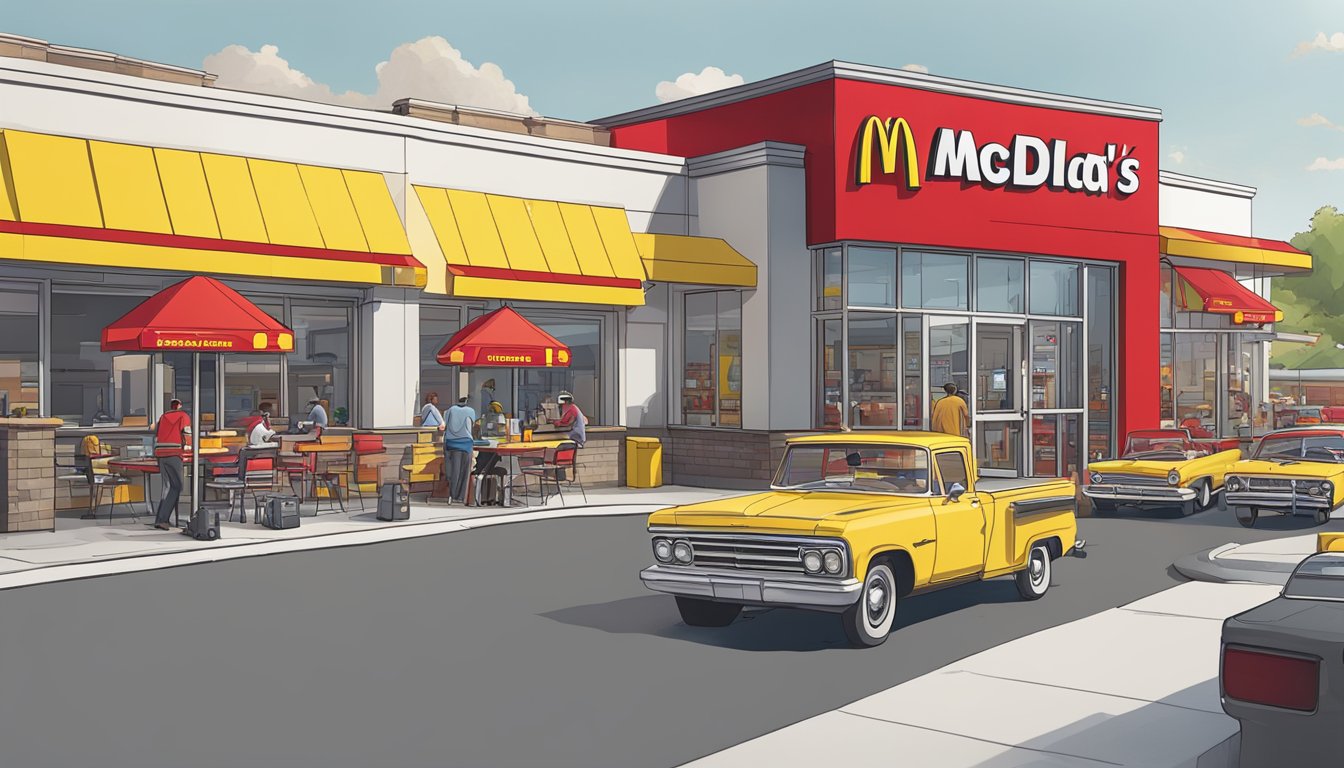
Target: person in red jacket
171	435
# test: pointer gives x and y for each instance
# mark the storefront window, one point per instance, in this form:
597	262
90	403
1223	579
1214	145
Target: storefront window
711	393
999	284
935	280
252	382
437	325
1044	444
1166	377
1000	445
1165	301
872	277
1238	410
912	351
949	360
828	278
1054	289
1196	382
538	387
1056	357
90	387
177	370
873	369
1101	305
20	363
319	366
830	357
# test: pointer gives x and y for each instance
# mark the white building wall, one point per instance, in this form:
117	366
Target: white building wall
753	197
1214	206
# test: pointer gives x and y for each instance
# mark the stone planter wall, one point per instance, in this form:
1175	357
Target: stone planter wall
28	474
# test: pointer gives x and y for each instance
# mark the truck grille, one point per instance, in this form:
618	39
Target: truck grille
1114	478
751	553
1280	484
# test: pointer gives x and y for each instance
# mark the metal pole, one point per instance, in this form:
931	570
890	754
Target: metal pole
195	439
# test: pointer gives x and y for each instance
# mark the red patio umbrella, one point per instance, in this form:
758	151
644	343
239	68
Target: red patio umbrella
504	339
199	314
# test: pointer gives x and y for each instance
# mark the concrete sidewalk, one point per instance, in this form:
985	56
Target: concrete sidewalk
85	548
1134	686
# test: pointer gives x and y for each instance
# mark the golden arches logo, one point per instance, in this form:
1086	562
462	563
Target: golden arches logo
888	134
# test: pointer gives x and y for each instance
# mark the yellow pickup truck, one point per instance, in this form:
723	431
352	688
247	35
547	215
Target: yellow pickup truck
853	523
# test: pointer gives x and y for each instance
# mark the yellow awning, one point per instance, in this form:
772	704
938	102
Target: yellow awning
695	260
77	201
502	247
1279	257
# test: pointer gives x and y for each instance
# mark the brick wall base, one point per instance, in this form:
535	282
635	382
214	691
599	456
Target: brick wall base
718	458
28	474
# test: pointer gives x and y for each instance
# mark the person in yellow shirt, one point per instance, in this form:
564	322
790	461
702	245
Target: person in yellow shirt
950	413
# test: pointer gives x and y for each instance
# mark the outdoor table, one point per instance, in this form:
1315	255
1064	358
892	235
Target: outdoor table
306	449
150	466
511	452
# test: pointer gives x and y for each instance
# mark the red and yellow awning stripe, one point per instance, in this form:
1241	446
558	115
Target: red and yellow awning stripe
1277	255
78	201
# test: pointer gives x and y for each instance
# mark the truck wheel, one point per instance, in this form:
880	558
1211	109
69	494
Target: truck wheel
706	613
1247	515
1034	581
868	622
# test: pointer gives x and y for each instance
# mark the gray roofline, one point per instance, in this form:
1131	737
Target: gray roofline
841	70
1199	184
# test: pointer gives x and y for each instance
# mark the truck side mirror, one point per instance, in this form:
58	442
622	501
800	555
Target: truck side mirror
955	492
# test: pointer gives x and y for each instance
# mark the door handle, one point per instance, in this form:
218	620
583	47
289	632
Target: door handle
925	541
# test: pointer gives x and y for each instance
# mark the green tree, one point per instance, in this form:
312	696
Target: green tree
1314	303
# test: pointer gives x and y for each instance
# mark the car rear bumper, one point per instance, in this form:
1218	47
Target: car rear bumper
1138	493
752	588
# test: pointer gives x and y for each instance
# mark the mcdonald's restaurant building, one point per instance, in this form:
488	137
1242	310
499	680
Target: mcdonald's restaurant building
822	249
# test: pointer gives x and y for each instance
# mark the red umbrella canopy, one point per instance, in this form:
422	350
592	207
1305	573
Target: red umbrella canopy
504	339
199	314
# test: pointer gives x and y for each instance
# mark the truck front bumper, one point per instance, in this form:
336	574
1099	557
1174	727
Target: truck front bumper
752	588
1304	502
1138	493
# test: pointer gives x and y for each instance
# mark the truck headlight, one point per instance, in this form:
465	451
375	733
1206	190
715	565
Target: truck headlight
1096	478
682	552
832	561
1315	490
1234	484
1173	478
662	550
1327	488
812	562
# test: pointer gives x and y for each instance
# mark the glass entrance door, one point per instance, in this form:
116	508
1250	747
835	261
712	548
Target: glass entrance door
948	360
998	399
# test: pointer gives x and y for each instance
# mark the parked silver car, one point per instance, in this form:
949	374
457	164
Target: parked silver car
1282	671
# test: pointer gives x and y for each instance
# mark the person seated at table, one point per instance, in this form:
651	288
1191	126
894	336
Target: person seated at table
572	419
261	435
317	416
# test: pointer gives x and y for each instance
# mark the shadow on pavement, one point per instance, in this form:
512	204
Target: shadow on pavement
770	629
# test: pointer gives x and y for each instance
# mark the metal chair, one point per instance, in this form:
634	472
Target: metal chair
82	468
562	467
252	470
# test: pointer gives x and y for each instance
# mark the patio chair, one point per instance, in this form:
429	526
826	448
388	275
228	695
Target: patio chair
252	470
560	468
81	469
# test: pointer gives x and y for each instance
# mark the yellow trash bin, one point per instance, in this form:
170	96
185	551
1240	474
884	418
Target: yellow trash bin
643	462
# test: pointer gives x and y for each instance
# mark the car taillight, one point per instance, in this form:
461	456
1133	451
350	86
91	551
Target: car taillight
1271	679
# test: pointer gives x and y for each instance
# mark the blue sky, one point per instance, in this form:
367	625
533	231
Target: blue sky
1225	74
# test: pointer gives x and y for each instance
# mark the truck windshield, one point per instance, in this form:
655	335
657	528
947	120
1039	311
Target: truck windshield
873	468
1324	448
1319	577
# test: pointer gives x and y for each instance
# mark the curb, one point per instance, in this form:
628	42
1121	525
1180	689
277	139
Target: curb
215	552
1207	566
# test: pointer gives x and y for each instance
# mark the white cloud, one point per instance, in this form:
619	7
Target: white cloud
691	84
1334	43
916	68
1325	164
1315	119
429	68
1177	157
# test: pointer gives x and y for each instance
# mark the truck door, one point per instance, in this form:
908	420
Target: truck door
960	523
